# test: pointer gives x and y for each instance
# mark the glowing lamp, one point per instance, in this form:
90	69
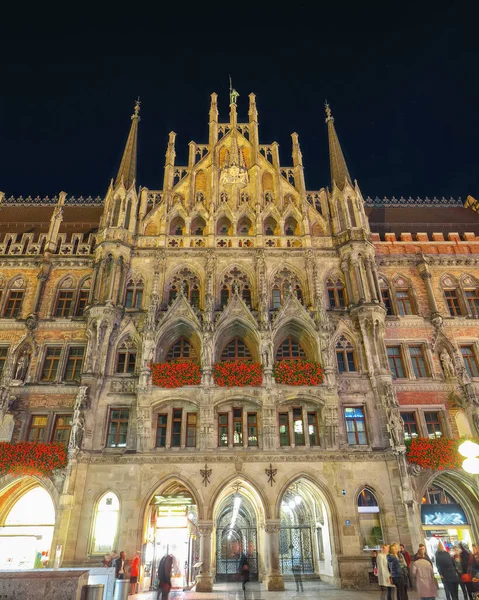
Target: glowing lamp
471	465
469	449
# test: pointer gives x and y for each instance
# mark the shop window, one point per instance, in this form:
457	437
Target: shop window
470	361
223	429
235	351
64	303
161	430
369	522
472	299
176	427
452	302
74	363
38	428
313	429
396	363
298	427
118	427
403	299
290	349
237	427
191	422
83	296
433	424
3	359
61	430
126	361
410	425
50	363
105	528
181	351
13	306
134	294
418	361
284	429
252	429
345	356
355	426
336	293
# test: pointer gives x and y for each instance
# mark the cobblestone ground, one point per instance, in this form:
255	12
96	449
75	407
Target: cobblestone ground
232	591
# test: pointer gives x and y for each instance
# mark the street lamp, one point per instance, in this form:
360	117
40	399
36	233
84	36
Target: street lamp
470	450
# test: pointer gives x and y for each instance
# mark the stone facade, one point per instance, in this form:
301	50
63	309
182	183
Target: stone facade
234	257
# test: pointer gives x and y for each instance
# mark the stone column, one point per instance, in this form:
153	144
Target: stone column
204	581
426	277
371	283
274	578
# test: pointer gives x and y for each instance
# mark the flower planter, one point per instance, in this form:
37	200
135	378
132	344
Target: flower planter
238	374
175	375
32	458
298	372
437	453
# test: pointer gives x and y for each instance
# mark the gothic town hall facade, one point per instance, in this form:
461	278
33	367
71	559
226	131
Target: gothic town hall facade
235	361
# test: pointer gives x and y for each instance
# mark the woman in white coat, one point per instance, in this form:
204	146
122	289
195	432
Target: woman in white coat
384	577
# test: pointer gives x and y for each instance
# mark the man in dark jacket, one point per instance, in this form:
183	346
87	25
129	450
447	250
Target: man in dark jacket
164	576
421	553
448	572
120	566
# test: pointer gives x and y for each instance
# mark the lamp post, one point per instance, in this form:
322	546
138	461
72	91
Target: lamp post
470	451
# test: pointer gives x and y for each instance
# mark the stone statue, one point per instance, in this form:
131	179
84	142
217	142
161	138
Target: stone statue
206	350
396	427
236	288
266	353
76	431
22	366
263	310
447	365
391	401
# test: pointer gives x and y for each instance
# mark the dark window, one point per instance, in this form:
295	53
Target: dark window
134	295
410	425
433	424
126	362
395	361
38	428
452	301
246	293
118	427
290	349
64	303
386	300
367	498
172	295
191	420
50	364
195	296
176	428
224	296
472	298
298	427
14	304
336	294
404	302
284	429
61	431
313	430
235	351
276	295
74	363
237	427
83	296
3	359
470	361
418	361
182	351
355	426
161	431
252	429
222	429
345	356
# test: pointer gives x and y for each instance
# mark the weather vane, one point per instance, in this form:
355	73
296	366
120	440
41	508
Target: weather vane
233	94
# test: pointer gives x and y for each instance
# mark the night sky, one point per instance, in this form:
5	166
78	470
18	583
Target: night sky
402	81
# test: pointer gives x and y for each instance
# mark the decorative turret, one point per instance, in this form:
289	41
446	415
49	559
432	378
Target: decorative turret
253	122
214	120
127	170
298	166
339	170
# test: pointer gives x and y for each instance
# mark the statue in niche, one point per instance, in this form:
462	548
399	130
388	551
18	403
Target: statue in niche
22	366
447	365
396	427
77	429
266	353
206	350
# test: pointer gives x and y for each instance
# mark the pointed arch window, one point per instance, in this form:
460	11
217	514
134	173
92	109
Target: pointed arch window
128	215
105	527
235	281
116	213
285	283
404	298
182	351
369	522
64	299
177	226
187	283
14	301
345	356
386	296
236	351
336	293
270	226
290	226
352	214
290	349
341	216
472	299
126	358
451	296
134	294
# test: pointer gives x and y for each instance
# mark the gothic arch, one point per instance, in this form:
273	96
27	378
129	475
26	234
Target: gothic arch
227	396
253	492
13	488
173	331
302	332
237	327
235	270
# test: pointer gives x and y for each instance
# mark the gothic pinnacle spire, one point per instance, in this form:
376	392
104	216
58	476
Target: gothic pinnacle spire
127	170
339	169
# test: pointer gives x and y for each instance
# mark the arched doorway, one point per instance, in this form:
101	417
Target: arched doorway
171	528
305	538
26	529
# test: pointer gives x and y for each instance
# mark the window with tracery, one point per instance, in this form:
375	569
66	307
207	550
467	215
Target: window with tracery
181	351
404	297
236	351
14	300
187	283
290	349
285	283
64	300
235	281
134	294
336	293
126	357
386	296
345	355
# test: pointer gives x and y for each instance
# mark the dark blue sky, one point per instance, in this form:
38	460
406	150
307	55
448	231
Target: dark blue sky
402	81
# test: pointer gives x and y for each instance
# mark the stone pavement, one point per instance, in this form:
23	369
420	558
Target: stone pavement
312	590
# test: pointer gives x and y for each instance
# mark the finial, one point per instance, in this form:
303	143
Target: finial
233	93
328	112
136	114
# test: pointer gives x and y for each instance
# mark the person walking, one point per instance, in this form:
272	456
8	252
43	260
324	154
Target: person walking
384	578
407	558
425	582
120	566
164	576
134	573
397	576
447	570
457	561
243	569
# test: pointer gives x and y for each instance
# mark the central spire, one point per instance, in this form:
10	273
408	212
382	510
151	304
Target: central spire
127	170
339	169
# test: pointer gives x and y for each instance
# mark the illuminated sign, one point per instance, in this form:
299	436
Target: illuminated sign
442	514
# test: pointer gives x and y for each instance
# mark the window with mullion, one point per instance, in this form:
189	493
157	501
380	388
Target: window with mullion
181	350
298	427
433	424
235	350
276	297
355	426
61	431
126	362
74	363
64	303
472	298
223	437
237	426
336	294
418	361
191	422
313	429
346	361
177	418
118	427
470	361
284	429
50	363
396	363
452	301
410	425
386	300
161	430
82	301
3	359
252	423
38	428
404	303
290	349
13	306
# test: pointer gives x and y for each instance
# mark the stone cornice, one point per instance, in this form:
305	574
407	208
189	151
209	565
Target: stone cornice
434	260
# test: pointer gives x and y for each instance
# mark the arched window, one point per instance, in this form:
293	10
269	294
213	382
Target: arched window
369	523
14	301
116	213
471	295
126	357
64	299
134	294
352	214
404	297
186	282
336	293
105	527
223	226
270	226
386	296
290	349
235	281
345	356
181	351
341	217
198	226
128	215
83	297
268	187
245	227
235	351
285	283
177	226
290	226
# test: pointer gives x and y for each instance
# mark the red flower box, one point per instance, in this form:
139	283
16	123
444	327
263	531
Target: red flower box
175	374
298	372
436	453
32	458
238	374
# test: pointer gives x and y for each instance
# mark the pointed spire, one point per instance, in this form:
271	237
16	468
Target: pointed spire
339	170
127	170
